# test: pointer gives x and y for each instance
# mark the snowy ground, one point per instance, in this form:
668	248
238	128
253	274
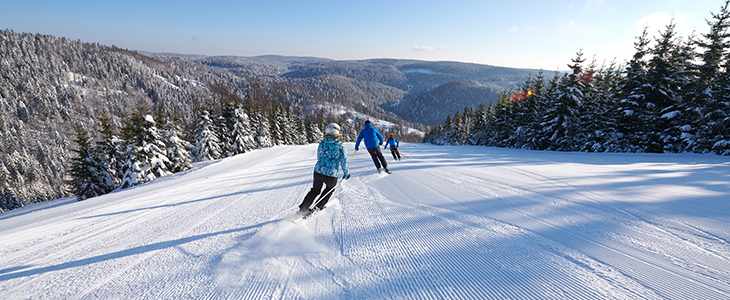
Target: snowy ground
451	223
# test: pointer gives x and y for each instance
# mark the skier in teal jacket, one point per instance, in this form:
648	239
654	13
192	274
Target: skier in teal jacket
331	156
373	140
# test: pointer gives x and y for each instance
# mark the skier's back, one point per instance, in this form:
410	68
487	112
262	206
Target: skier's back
393	143
331	156
373	139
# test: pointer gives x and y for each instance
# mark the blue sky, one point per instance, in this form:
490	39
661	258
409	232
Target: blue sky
517	33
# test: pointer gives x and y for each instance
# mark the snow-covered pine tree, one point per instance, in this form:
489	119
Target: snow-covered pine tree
719	116
454	129
562	119
242	138
89	176
9	198
605	136
500	126
276	123
660	92
314	133
591	113
288	125
177	148
110	148
260	121
710	101
146	155
221	123
685	76
206	145
478	126
300	137
633	97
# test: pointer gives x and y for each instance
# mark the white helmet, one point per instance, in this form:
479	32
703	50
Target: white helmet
332	128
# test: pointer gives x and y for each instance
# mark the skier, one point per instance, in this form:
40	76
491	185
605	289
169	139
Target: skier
393	146
373	140
331	155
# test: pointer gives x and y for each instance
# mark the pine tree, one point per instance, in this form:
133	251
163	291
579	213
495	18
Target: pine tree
605	136
176	148
88	172
207	145
242	138
314	133
479	126
9	198
675	118
146	157
633	97
111	148
562	119
709	102
660	93
288	126
276	122
301	126
263	129
499	128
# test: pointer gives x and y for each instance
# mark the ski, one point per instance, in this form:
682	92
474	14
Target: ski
310	213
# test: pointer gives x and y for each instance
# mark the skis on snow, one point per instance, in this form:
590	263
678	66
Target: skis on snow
314	208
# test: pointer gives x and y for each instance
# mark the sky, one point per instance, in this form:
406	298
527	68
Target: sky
534	34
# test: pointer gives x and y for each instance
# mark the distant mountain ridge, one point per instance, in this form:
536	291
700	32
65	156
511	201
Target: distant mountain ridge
416	91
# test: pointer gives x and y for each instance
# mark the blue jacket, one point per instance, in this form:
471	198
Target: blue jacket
392	142
370	135
331	155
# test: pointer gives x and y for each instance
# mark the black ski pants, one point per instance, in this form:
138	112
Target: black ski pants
378	157
316	190
394	151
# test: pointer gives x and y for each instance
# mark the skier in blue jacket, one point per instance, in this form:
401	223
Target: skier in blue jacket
393	146
373	140
331	155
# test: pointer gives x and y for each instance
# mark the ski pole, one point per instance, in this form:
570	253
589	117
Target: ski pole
353	155
401	154
325	195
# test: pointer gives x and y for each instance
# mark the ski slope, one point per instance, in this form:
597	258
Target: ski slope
450	223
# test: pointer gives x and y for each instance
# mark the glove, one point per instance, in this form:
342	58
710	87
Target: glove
380	144
346	177
357	149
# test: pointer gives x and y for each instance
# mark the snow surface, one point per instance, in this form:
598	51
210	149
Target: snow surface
450	223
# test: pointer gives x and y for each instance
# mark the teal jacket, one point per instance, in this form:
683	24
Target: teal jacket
331	156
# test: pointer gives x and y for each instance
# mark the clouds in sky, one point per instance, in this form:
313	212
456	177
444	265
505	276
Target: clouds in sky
418	49
660	20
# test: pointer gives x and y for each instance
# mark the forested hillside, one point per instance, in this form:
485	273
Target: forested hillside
71	110
48	84
672	96
416	91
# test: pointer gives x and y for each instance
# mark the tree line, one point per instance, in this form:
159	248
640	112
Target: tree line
672	96
155	144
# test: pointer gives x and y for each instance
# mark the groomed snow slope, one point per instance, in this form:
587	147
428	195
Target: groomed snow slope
451	223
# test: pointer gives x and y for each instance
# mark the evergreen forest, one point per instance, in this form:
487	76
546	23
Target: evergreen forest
672	96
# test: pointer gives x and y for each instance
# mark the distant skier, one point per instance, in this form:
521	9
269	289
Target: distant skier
393	146
331	155
373	140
